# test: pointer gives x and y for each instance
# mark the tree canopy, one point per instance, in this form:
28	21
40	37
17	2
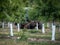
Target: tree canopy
42	10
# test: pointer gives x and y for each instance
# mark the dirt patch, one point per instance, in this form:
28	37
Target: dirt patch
40	40
5	37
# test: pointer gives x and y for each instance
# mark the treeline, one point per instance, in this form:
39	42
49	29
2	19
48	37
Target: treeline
20	10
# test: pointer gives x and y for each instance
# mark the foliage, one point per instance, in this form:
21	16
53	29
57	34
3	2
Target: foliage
11	10
43	43
33	31
23	35
45	10
42	10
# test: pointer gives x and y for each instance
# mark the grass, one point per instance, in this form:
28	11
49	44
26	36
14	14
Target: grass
25	34
12	42
43	43
16	42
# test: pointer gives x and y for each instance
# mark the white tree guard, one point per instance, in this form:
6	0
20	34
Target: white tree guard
43	28
3	25
8	24
11	29
53	32
47	24
18	27
37	26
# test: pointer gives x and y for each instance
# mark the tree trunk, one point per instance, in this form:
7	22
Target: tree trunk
18	27
53	32
8	24
37	26
47	25
43	28
11	29
3	25
59	28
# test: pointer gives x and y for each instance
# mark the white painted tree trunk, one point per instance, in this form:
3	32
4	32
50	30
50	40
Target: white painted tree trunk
3	25
37	26
18	27
59	28
47	24
53	32
43	28
8	24
11	29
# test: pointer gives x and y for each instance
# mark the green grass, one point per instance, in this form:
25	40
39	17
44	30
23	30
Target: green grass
43	43
16	42
25	34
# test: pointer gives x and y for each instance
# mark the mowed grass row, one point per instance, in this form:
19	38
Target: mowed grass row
28	34
16	42
31	33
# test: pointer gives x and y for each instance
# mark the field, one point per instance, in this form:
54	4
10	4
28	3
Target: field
28	37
